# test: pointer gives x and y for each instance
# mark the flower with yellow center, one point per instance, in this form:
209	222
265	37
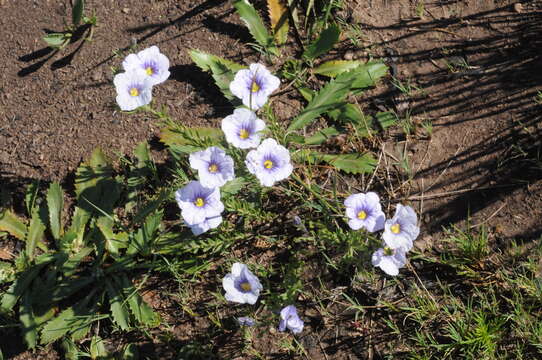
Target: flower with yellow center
241	285
268	164
149	70
243	134
401	230
364	212
215	168
134	91
395	228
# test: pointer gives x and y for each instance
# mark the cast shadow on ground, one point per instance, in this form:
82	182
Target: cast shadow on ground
500	79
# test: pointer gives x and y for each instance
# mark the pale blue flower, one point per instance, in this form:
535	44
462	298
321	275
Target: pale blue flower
246	321
134	89
209	223
198	203
389	260
402	229
241	285
242	129
154	64
364	211
270	162
290	320
215	168
254	85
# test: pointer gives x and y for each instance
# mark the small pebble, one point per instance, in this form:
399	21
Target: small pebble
125	10
518	7
349	55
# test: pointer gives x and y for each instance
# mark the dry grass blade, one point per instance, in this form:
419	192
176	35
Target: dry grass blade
278	15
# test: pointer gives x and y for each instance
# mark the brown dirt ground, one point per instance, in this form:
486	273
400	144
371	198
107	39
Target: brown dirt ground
478	161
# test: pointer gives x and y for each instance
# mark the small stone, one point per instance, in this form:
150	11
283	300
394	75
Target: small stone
349	55
518	7
126	10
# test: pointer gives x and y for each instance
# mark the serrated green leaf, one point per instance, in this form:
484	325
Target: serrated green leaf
321	136
222	70
307	93
330	97
368	74
144	238
23	281
31	195
97	348
77	12
350	163
142	312
68	287
150	207
35	233
26	316
116	302
351	114
325	42
335	67
55	203
278	16
10	223
255	25
71	352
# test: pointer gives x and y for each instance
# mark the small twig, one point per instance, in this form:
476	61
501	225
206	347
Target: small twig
455	192
488	218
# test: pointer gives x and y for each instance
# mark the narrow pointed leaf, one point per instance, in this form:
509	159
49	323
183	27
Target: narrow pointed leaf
278	15
350	163
55	203
255	25
31	195
77	11
325	42
368	74
321	136
26	316
139	308
10	223
325	100
35	233
97	348
335	67
116	302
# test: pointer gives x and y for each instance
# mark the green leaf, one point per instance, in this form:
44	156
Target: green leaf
26	316
330	97
116	302
130	352
278	15
56	40
97	348
255	25
234	186
77	12
35	233
386	119
350	163
325	42
307	93
189	136
139	308
31	195
23	281
10	223
55	203
335	67
222	70
368	74
321	136
150	207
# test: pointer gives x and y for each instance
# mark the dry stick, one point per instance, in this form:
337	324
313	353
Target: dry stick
375	170
455	192
489	218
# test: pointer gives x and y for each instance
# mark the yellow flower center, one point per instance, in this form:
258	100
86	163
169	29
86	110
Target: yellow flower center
362	215
255	87
268	164
395	228
213	168
388	251
149	71
243	134
199	202
245	286
134	91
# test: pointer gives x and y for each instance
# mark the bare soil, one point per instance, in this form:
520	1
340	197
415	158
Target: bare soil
475	65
